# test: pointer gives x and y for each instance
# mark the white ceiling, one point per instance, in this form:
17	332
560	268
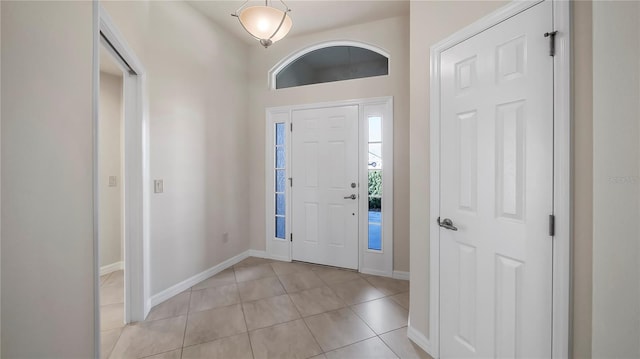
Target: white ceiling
308	15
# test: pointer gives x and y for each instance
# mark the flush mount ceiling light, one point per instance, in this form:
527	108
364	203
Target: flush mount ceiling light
266	24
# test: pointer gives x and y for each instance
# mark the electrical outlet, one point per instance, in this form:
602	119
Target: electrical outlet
225	237
113	181
158	186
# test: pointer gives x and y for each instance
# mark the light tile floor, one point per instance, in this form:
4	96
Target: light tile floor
266	309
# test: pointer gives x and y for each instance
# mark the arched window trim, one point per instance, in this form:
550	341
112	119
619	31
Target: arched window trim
296	55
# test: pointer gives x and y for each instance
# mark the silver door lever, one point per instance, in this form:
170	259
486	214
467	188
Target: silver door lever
447	223
353	196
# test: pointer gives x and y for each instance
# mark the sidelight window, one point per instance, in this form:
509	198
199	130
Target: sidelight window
280	173
374	166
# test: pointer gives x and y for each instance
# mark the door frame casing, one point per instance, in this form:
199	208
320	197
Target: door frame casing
136	173
370	262
562	201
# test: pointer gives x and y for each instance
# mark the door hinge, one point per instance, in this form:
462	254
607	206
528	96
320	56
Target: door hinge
291	127
552	42
290	181
552	225
291	236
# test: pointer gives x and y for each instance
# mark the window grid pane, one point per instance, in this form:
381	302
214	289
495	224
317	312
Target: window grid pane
374	163
280	181
375	155
280	174
280	227
280	157
279	134
280	204
375	129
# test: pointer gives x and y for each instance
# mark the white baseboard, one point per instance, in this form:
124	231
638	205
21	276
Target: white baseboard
375	272
258	254
110	268
420	340
264	254
279	258
395	274
190	282
400	275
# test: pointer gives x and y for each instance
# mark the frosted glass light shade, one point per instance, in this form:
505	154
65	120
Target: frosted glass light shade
262	22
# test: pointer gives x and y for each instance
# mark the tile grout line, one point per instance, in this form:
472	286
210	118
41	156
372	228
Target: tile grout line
105	280
301	317
372	330
293	304
116	342
223	337
121	328
324	286
362	340
379	336
246	325
354	343
388	347
186	322
216	339
297	310
373	300
365	322
347	306
385	343
152	355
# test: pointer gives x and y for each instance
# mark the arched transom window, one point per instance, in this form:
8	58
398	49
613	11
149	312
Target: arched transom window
330	62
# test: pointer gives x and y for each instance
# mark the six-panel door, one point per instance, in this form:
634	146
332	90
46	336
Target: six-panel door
325	174
497	188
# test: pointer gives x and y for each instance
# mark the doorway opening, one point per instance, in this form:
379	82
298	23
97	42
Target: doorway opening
111	197
121	181
329	200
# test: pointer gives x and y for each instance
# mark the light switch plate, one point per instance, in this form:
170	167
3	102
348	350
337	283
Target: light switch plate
158	186
113	181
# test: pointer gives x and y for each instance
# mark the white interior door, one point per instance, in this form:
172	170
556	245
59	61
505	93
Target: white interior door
324	170
497	189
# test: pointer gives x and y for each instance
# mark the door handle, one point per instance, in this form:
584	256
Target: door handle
353	196
447	223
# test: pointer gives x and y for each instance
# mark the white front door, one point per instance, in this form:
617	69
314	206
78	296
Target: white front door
324	171
497	189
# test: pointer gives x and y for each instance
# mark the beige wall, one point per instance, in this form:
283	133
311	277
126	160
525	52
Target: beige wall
196	82
198	123
390	34
0	186
109	164
47	214
616	179
431	21
583	178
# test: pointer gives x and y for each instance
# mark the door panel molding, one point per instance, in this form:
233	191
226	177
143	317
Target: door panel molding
562	203
371	262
